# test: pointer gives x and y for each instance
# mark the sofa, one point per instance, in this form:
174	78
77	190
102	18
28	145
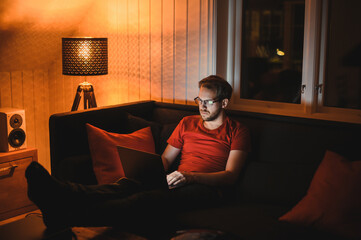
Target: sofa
286	152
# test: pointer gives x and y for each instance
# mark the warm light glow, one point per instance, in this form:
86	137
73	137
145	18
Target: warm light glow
83	57
18	12
84	51
280	53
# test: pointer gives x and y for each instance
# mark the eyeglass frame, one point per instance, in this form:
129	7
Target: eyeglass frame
206	102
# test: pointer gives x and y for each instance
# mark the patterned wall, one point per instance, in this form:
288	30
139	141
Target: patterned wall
158	49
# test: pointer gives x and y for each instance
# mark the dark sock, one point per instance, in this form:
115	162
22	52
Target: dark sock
48	194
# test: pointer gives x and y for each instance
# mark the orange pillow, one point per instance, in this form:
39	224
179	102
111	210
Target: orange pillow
333	200
102	144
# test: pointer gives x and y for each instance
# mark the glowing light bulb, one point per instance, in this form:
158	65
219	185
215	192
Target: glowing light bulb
84	51
280	53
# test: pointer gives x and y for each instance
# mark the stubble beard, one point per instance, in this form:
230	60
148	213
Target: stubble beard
213	116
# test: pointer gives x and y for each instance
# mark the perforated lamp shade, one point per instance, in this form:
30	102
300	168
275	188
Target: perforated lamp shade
85	56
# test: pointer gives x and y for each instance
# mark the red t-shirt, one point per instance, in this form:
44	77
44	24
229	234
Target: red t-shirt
206	150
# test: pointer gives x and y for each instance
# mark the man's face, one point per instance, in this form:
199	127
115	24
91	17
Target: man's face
209	112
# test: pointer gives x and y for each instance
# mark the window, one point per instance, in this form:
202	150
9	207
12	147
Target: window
342	79
292	57
272	50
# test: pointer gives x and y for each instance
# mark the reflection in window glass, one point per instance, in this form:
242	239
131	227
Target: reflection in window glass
343	65
272	50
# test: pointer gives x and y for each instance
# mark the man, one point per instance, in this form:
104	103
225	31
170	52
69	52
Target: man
214	96
213	150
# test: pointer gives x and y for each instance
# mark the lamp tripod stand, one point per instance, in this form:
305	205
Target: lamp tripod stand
89	96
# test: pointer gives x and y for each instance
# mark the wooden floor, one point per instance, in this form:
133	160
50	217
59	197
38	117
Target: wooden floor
85	233
13	219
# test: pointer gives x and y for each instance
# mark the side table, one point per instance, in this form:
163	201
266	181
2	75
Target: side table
13	187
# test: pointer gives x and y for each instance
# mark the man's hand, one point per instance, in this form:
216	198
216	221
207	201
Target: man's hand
176	179
229	176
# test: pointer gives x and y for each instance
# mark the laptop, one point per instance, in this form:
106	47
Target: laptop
144	167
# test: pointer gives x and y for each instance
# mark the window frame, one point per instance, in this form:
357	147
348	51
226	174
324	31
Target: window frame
313	68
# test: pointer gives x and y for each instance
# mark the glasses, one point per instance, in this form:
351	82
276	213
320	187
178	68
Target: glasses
208	103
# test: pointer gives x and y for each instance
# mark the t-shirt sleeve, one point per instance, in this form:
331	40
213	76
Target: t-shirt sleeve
241	139
176	139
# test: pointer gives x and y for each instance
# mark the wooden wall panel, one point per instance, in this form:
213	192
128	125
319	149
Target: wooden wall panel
64	87
39	114
122	52
103	92
133	57
112	79
211	38
168	51
28	95
5	90
181	15
158	49
17	89
144	49
69	88
193	50
59	96
204	42
46	114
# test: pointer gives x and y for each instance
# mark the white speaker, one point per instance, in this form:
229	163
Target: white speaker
12	129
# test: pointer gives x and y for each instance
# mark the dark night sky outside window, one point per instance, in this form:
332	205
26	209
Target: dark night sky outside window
342	83
272	50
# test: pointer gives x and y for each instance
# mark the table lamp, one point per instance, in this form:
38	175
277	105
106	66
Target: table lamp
85	57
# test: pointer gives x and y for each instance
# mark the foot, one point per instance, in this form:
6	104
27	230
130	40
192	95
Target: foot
48	194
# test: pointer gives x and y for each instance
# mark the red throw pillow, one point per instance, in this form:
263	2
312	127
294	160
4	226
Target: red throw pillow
333	200
106	162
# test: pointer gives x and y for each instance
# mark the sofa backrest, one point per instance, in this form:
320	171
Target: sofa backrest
285	150
286	154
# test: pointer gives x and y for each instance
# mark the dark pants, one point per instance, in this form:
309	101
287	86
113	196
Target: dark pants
128	205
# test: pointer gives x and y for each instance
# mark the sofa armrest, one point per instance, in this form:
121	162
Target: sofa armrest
68	135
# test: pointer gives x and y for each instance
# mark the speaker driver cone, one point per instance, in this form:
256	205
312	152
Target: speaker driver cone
16	121
17	137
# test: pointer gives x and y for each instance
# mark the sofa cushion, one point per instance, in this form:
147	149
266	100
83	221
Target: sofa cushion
165	133
172	114
106	162
275	182
333	201
135	123
248	221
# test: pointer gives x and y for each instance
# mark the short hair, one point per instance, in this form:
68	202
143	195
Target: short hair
220	85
